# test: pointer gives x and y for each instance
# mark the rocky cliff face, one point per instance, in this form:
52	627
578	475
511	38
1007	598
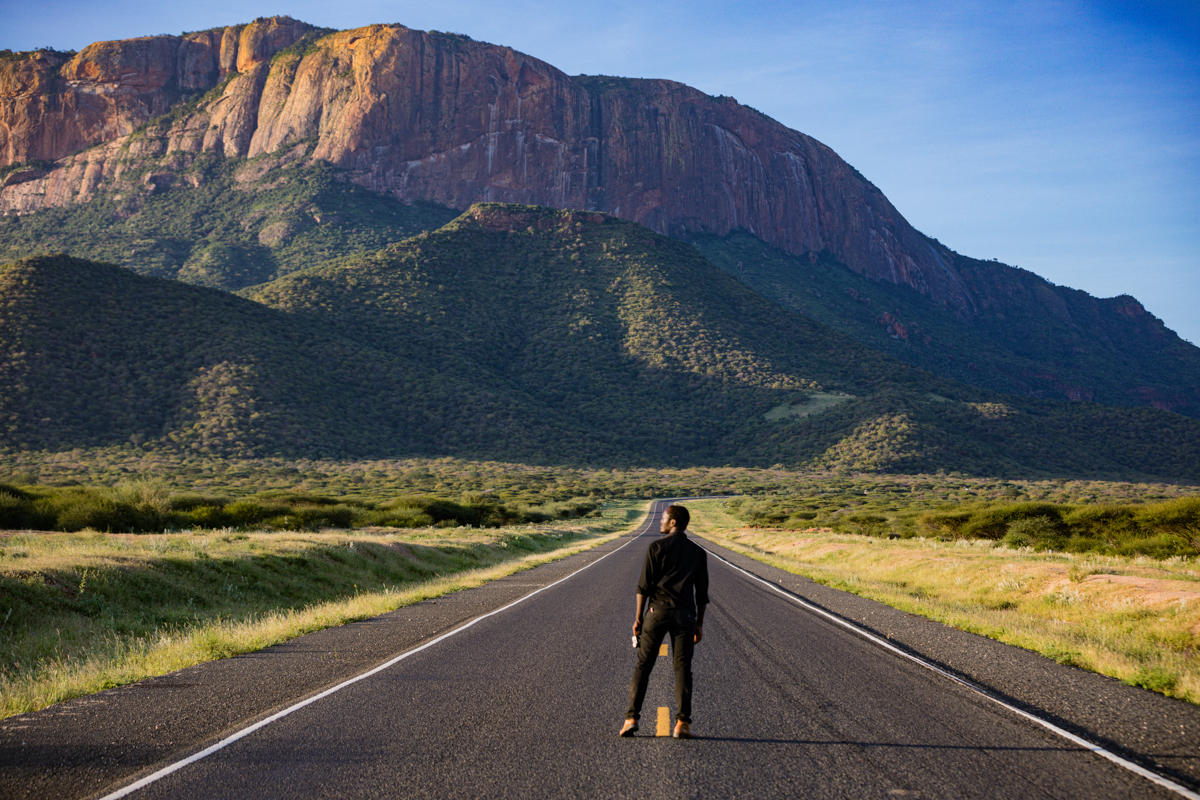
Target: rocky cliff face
426	116
50	107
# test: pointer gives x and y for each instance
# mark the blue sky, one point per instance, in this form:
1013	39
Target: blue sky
1062	137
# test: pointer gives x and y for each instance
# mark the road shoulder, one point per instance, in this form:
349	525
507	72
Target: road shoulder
1159	733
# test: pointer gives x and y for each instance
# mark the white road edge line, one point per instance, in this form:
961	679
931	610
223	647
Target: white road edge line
1153	777
178	765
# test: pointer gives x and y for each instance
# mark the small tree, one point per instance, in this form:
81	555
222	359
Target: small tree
1179	519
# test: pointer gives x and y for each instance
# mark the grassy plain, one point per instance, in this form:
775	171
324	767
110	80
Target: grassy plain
1132	618
82	612
776	491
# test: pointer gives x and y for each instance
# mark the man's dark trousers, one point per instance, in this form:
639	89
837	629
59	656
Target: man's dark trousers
680	625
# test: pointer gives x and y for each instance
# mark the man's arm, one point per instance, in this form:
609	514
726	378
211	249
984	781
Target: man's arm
645	583
637	619
699	623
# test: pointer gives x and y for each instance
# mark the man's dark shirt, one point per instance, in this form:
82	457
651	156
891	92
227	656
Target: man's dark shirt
676	568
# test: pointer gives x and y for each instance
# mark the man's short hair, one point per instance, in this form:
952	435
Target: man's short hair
680	515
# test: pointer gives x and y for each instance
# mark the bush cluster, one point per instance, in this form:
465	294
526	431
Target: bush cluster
1160	529
147	507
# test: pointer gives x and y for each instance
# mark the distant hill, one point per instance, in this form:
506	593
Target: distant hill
1032	338
94	355
516	333
232	156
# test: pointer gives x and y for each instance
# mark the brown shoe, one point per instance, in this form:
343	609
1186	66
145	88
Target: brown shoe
630	728
682	731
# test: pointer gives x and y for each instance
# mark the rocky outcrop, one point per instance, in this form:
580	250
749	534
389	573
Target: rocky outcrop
427	116
51	106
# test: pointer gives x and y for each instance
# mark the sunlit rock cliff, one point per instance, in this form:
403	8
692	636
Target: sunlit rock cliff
429	116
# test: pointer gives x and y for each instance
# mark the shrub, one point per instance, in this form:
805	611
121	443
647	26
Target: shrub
15	512
1178	519
192	502
800	519
245	513
404	517
994	522
944	523
87	510
14	492
1040	533
1107	522
864	524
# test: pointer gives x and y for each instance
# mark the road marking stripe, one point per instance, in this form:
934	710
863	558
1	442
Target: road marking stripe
664	721
178	765
662	650
1137	769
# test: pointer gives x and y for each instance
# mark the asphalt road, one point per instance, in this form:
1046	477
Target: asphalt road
527	702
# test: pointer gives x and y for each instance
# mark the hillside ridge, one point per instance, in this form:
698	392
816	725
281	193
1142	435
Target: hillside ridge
516	333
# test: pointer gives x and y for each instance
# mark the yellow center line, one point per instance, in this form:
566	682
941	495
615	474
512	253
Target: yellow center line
662	650
664	722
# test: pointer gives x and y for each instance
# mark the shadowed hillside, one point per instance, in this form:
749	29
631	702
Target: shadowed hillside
516	333
1031	337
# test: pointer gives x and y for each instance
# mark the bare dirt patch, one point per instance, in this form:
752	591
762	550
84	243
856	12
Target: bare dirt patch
1151	591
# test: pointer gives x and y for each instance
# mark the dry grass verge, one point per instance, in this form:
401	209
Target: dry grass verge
80	613
1135	619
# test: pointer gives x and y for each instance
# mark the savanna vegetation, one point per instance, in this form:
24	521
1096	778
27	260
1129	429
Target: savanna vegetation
1158	528
347	528
147	506
81	612
517	333
1132	617
1045	341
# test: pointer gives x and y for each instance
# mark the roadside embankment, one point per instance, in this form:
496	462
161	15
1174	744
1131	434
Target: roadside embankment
83	612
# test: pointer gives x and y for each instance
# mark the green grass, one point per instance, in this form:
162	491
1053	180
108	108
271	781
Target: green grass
85	612
812	404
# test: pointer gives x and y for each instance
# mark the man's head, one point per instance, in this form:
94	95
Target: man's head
677	515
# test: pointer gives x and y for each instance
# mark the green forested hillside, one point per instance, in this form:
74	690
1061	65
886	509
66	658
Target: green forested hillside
222	223
522	334
95	355
1034	339
237	223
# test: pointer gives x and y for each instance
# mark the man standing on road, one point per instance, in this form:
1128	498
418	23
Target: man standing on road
674	584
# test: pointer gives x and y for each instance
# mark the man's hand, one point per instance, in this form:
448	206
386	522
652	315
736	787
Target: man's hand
699	634
637	627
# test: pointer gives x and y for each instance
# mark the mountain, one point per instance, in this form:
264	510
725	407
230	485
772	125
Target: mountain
516	332
439	117
209	118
